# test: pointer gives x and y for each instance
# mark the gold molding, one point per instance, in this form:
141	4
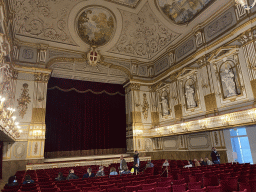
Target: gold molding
155	118
38	115
210	102
178	111
253	85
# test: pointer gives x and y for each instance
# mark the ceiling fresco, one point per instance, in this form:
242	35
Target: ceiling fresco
96	25
130	3
183	11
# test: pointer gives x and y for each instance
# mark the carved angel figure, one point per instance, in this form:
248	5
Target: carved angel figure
189	93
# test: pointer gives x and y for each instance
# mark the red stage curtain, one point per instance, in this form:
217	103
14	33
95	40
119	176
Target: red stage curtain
84	115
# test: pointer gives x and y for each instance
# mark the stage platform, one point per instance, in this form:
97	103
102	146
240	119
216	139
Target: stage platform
104	160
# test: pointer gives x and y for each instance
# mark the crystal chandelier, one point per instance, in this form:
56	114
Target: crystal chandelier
244	4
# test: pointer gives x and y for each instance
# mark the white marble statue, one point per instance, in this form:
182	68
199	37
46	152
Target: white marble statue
228	80
190	97
165	107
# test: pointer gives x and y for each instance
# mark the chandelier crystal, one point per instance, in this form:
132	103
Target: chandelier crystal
244	4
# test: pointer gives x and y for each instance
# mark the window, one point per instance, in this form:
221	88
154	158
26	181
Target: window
240	145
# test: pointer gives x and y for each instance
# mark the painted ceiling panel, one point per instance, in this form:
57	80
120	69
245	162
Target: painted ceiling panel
130	3
183	11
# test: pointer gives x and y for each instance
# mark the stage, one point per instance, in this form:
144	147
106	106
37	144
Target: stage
104	160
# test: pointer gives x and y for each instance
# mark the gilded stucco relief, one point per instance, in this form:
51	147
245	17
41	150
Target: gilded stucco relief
24	100
143	35
43	19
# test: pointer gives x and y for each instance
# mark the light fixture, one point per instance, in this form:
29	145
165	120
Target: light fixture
244	4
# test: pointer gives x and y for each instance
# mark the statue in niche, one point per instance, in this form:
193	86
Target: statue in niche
228	79
165	107
189	93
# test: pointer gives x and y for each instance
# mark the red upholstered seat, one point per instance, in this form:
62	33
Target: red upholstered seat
197	190
179	188
85	189
178	182
149	186
107	186
230	184
115	189
72	190
49	189
10	190
163	189
214	188
133	188
164	184
195	185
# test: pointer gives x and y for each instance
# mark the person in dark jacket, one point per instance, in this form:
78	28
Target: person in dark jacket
12	182
72	175
202	162
60	177
28	180
136	158
215	156
89	173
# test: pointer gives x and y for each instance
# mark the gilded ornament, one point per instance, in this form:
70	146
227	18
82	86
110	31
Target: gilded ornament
216	138
145	106
36	148
23	101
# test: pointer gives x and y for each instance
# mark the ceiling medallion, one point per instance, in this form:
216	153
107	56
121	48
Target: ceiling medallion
96	25
93	56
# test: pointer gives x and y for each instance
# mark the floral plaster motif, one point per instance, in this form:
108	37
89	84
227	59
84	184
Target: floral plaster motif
23	101
145	106
143	35
43	19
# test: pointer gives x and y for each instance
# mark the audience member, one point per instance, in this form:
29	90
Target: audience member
136	158
149	164
12	181
215	156
89	173
126	170
113	171
202	163
190	164
28	180
166	163
122	162
197	164
60	177
208	161
100	173
72	175
136	168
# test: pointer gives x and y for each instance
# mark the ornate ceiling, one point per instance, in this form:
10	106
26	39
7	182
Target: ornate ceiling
129	29
143	32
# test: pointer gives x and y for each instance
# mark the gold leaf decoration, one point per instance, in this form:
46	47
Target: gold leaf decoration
23	101
145	106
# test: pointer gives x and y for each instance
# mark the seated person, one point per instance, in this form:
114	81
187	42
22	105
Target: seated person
197	164
89	173
208	161
72	175
149	164
166	163
60	177
202	163
126	170
28	180
113	171
12	182
190	164
100	173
